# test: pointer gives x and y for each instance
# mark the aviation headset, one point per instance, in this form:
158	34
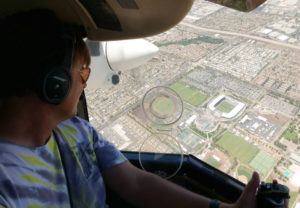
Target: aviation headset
55	83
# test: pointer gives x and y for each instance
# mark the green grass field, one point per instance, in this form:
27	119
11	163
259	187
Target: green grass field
213	162
188	94
225	107
163	105
242	170
262	162
238	147
293	198
290	133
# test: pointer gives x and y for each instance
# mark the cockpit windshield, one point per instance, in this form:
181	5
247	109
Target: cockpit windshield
224	87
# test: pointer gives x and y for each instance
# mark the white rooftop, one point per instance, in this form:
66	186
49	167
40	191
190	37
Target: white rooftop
266	31
295	180
283	37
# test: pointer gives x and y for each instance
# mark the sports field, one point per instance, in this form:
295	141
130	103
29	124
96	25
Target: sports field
242	170
163	106
213	162
225	107
238	147
189	138
188	94
262	162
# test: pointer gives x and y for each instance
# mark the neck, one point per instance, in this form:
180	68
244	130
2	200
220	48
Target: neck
26	121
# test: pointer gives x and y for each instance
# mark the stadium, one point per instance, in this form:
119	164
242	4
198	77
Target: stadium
226	107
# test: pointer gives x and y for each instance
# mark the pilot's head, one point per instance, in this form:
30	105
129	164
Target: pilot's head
41	55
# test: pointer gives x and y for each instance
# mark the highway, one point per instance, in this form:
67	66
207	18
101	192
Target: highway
282	44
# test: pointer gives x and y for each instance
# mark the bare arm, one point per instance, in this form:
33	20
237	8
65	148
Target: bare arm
144	189
148	190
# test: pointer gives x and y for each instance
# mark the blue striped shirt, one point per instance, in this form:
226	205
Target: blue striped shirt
65	172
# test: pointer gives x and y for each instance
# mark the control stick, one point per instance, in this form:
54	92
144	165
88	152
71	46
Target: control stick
272	195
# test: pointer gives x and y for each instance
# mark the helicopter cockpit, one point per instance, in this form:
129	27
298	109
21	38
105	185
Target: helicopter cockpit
195	92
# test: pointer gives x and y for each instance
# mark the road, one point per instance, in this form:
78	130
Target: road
286	45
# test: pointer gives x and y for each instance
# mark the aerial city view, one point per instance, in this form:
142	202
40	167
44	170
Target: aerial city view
237	79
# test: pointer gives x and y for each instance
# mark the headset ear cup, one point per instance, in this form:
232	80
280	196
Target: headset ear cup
55	86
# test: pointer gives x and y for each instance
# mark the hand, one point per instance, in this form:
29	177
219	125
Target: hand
248	197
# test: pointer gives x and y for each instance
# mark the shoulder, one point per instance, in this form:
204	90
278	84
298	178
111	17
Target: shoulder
78	130
75	130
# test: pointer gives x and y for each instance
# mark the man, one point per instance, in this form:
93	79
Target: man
48	157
